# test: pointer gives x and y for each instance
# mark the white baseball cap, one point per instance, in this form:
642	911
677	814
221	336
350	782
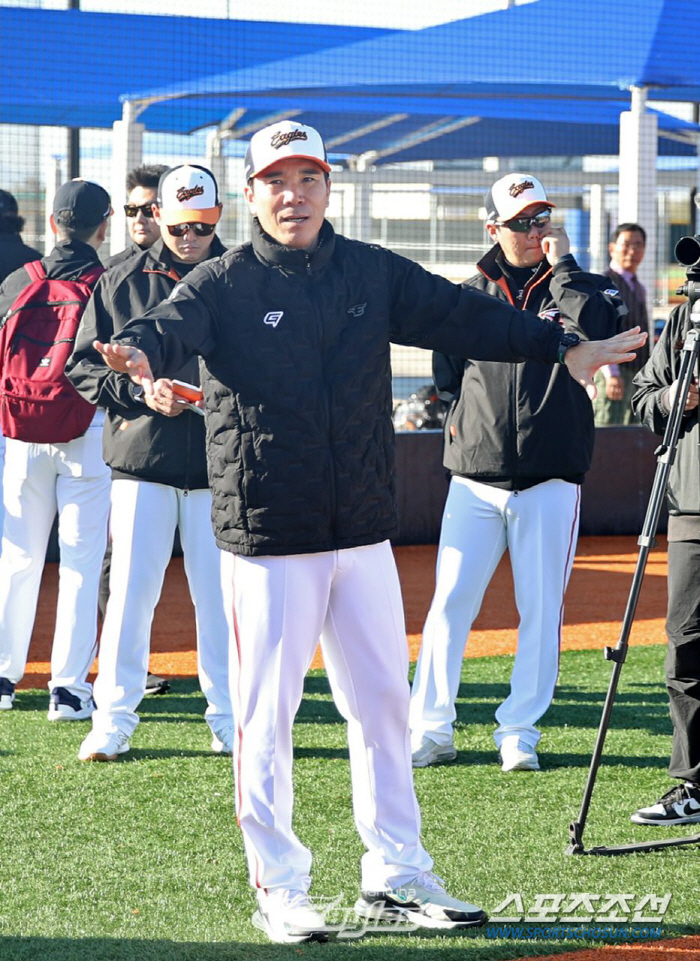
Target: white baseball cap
512	194
281	140
188	194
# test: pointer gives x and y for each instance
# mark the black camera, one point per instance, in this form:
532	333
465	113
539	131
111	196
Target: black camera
687	253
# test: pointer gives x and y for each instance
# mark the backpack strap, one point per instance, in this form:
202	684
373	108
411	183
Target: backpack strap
35	269
90	277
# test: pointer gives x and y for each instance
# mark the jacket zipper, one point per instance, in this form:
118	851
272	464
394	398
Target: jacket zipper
327	413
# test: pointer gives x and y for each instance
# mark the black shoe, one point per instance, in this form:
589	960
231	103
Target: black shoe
156	685
680	805
7	694
64	706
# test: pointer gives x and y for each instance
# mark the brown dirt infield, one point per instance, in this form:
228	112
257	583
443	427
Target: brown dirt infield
595	604
679	949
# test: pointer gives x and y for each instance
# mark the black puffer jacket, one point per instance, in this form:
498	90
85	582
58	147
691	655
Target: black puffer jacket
297	381
515	425
137	441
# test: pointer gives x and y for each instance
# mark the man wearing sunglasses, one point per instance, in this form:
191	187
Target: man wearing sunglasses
518	442
141	195
293	330
155	447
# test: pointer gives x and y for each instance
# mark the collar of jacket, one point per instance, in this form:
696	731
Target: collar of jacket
269	251
158	257
490	266
70	258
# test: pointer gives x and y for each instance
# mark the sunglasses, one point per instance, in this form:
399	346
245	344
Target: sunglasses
132	210
523	225
201	230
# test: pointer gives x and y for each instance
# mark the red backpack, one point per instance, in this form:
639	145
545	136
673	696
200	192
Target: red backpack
38	403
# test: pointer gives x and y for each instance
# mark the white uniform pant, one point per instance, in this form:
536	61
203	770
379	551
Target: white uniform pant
539	526
278	608
143	522
38	480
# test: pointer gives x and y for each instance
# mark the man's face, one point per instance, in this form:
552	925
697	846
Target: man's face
628	250
290	201
190	248
142	230
521	249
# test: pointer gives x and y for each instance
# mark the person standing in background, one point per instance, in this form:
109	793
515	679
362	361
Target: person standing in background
614	382
141	194
518	442
14	253
69	477
155	447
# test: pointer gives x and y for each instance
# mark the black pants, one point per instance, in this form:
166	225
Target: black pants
683	657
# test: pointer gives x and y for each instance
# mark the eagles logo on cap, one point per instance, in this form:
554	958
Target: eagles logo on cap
281	140
512	194
188	194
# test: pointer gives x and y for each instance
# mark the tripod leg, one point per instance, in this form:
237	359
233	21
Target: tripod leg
665	456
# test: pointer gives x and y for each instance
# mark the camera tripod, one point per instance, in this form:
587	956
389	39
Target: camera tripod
665	455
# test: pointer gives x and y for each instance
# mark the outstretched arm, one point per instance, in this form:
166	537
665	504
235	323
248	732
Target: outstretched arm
585	358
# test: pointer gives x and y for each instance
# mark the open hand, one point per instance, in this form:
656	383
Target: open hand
585	358
127	360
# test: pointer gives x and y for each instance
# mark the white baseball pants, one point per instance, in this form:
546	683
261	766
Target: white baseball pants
278	607
539	526
38	480
143	522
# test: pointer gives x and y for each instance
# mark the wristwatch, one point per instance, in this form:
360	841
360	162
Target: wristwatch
567	341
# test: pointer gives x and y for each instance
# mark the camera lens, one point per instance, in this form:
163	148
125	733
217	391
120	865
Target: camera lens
688	251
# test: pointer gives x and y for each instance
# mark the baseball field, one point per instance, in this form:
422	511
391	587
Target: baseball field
141	859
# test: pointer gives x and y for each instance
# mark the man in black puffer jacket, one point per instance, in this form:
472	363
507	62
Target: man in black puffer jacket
518	442
294	331
156	449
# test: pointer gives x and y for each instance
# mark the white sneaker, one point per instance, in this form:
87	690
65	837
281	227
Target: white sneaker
64	706
431	753
7	694
288	917
222	741
103	747
516	755
423	901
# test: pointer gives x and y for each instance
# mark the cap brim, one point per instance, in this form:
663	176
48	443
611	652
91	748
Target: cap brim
185	215
531	203
325	167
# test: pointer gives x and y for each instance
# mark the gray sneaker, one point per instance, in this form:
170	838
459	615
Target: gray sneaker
431	753
424	902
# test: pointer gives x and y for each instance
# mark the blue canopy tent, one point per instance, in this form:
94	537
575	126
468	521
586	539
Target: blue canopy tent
554	50
582	48
39	86
117	51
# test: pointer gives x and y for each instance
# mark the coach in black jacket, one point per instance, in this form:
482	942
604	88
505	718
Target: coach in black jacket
518	441
156	449
294	331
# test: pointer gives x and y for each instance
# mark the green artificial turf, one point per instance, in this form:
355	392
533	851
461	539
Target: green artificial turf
141	859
